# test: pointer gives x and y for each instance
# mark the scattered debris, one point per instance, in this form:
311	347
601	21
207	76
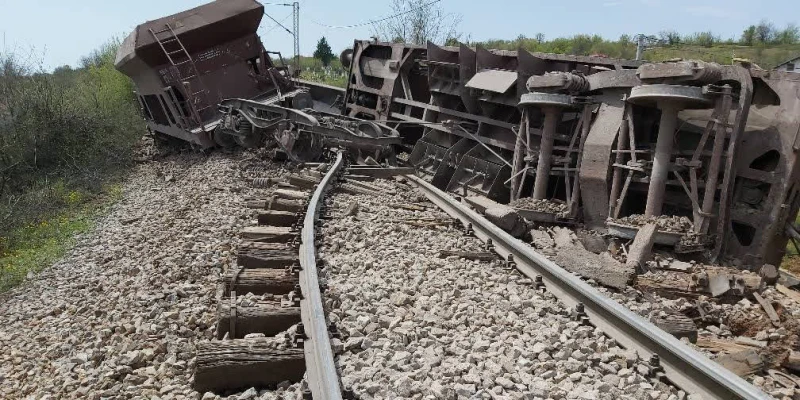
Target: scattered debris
676	324
501	215
742	363
769	274
469	255
602	268
773	316
639	252
351	209
664	223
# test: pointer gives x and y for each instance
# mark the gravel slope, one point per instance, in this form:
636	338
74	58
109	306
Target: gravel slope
119	316
417	326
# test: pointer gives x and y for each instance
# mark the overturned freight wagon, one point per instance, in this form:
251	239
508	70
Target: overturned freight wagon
203	76
183	65
706	151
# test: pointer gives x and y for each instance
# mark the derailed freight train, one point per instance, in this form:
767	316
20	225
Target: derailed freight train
706	151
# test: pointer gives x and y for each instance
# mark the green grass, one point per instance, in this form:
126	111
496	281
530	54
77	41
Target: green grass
765	56
31	248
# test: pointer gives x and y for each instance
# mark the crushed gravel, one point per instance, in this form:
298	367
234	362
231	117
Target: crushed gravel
119	316
414	325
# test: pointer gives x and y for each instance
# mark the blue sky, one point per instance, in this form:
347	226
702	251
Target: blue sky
60	32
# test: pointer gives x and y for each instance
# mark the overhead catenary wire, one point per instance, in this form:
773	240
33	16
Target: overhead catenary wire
376	20
279	24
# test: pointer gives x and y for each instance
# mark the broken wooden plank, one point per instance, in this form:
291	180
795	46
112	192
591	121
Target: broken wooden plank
255	257
268	233
410	207
773	316
362	178
305	182
677	325
469	255
748	341
291	194
244	363
723	345
259	281
274	203
742	363
790	293
792	361
269	317
277	218
671	287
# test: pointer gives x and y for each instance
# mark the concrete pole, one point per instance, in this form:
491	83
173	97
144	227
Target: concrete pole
552	115
639	46
660	172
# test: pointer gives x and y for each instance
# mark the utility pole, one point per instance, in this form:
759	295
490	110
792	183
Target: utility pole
296	33
639	46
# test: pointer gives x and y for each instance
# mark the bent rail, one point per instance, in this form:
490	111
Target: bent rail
687	368
321	375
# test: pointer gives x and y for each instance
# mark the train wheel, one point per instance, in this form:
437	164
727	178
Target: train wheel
223	139
248	137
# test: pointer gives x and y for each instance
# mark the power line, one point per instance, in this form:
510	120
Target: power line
295	32
375	21
277	25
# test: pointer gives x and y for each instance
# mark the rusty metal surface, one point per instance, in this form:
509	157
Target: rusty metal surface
473	120
493	80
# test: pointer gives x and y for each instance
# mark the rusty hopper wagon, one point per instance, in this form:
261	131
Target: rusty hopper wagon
707	151
183	65
204	76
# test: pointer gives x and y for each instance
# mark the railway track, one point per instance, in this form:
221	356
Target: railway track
302	347
281	336
669	357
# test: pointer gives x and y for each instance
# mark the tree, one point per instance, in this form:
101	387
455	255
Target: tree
748	36
669	37
765	32
418	22
790	35
323	52
452	42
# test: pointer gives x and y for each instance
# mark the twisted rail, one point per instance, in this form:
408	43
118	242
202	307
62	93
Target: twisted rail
685	367
321	375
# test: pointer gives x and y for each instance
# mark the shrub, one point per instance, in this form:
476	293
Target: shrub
62	134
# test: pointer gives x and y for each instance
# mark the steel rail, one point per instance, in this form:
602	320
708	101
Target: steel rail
685	367
321	375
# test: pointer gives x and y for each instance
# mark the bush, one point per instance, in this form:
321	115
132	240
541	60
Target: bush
62	135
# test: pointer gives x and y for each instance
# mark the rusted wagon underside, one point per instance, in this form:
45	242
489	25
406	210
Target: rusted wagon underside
709	151
601	142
